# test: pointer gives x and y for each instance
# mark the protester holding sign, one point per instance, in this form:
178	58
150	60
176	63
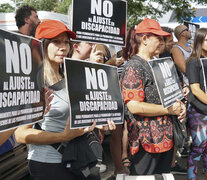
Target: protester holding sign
94	52
197	118
116	136
165	51
45	160
149	124
26	20
99	53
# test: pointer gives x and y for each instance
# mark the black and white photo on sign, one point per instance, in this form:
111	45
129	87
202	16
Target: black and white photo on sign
167	81
192	27
21	85
204	69
100	21
94	93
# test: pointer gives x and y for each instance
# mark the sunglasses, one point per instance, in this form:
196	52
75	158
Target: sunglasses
184	30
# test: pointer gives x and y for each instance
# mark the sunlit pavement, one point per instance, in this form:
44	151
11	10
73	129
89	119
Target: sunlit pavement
110	168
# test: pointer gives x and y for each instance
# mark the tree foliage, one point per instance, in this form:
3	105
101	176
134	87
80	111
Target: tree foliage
60	6
63	6
6	8
43	5
137	9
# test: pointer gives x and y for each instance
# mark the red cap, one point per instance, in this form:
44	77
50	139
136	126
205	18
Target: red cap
151	26
52	28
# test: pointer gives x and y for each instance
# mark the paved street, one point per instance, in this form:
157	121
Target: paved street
110	168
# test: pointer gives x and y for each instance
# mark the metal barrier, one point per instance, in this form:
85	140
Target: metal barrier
13	164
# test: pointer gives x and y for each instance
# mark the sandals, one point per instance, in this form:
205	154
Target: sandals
126	162
125	171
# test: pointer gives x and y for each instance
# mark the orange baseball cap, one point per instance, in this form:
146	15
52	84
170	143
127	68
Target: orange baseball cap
151	26
51	28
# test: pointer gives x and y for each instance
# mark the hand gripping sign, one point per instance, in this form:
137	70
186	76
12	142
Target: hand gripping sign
167	81
21	85
94	93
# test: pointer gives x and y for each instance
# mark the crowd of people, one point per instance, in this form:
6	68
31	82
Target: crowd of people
144	144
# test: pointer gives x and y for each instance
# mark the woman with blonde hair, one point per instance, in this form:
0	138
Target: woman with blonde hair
53	133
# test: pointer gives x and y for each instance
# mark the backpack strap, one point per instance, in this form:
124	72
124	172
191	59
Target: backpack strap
143	66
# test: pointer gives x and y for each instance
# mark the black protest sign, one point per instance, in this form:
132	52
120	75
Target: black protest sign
204	69
100	21
94	93
192	27
167	80
21	87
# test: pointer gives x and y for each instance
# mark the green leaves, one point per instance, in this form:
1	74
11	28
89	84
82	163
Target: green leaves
50	5
137	9
6	8
43	5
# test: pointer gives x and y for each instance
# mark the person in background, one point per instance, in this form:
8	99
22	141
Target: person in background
45	161
150	125
125	156
197	120
111	59
165	51
88	51
100	53
27	20
80	50
116	135
181	50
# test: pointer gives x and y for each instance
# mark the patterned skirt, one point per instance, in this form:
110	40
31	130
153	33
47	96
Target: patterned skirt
198	126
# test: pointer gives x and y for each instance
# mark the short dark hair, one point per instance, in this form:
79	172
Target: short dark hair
22	13
166	29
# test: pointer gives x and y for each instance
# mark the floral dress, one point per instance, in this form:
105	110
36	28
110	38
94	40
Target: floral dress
155	134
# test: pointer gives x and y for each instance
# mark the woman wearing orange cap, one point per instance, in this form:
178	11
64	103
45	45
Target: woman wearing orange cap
149	124
50	135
